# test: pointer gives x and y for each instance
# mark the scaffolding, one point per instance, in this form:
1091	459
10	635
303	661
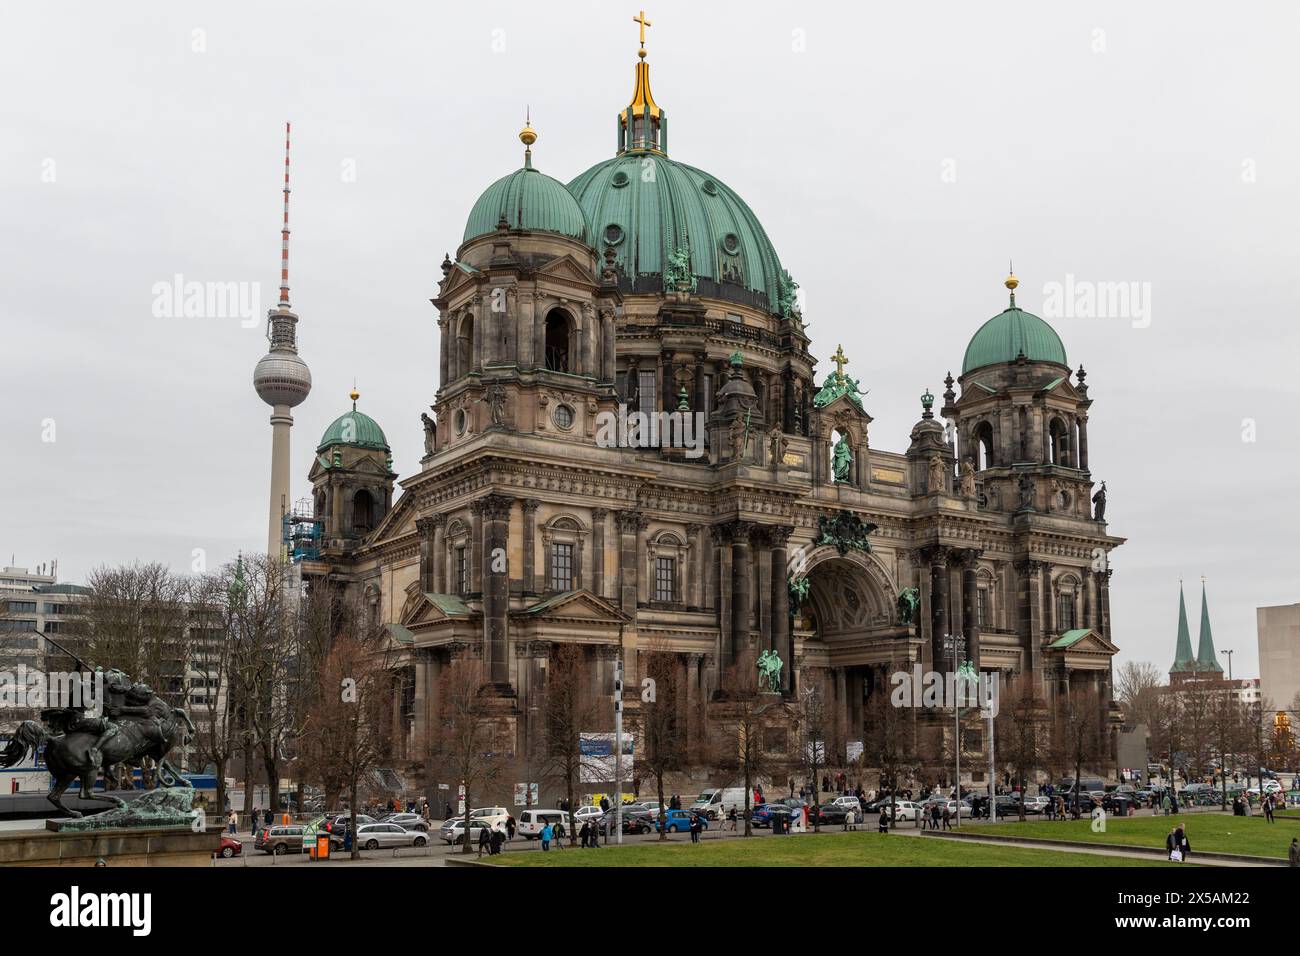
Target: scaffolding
302	533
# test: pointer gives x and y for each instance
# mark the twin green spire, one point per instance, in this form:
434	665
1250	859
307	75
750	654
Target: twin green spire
1205	660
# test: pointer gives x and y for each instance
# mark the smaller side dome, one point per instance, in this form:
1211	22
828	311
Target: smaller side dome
527	199
356	429
1003	337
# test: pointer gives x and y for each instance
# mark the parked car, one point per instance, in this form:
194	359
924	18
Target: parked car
903	810
229	847
408	821
715	804
532	821
280	839
679	821
453	831
492	816
764	813
374	836
587	814
1035	805
828	814
339	822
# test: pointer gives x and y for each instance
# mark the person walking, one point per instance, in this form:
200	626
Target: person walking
233	821
252	820
1268	808
484	841
498	838
731	819
546	835
947	817
510	824
559	833
1293	854
882	825
695	829
584	835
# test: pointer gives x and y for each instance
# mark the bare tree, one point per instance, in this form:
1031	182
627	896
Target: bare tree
1023	733
814	728
1137	685
568	711
662	749
347	721
1076	732
212	602
469	737
745	712
889	743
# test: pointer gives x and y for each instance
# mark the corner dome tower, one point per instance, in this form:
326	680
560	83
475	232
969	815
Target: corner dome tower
527	199
1011	332
356	429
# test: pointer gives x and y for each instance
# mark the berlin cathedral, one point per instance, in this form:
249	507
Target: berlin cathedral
644	284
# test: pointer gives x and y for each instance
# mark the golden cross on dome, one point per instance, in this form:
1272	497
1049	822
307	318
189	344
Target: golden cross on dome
840	360
640	18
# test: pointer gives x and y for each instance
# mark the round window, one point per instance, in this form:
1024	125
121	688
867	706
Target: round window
619	179
710	187
613	234
459	421
564	416
731	244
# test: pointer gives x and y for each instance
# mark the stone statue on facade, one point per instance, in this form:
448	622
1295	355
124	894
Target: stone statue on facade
777	444
1026	493
909	601
430	433
968	479
769	671
841	459
936	473
1099	503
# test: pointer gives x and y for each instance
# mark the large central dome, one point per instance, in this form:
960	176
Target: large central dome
647	207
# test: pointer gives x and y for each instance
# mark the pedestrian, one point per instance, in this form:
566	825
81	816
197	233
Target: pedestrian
233	821
947	817
731	819
546	835
446	809
559	834
484	841
695	828
1165	802
882	825
935	812
1268	808
1293	854
584	835
851	821
604	804
510	827
498	838
252	820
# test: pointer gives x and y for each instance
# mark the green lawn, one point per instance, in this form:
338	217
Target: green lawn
843	849
1207	832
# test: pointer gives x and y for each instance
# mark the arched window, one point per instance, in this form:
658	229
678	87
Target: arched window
557	341
1060	440
465	344
363	511
983	446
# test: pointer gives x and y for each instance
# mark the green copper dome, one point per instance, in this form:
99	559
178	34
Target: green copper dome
1003	337
527	199
648	207
354	428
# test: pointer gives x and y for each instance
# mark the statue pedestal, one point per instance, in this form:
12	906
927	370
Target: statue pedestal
144	846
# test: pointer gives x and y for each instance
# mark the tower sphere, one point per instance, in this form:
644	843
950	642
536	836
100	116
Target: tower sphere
282	378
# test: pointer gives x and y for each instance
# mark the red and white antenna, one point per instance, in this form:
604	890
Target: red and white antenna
284	233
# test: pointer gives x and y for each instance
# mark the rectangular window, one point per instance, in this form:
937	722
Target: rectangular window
986	619
666	580
1065	613
22	606
462	570
561	567
646	381
620	386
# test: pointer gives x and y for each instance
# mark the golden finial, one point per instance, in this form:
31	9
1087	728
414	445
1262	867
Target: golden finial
1012	281
640	18
528	135
840	360
354	395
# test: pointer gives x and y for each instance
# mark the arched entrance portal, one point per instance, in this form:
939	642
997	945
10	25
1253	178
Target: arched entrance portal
847	639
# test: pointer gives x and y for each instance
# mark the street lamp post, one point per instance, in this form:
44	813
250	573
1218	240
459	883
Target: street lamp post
1229	653
956	645
618	751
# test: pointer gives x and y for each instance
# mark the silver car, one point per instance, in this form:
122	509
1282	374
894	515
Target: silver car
374	836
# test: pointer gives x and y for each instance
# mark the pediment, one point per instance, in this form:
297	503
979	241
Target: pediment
567	268
422	608
1083	641
580	605
844	408
400	520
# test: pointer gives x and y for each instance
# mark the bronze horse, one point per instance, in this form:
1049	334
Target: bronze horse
68	751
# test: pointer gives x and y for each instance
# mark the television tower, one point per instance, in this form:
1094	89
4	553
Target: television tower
282	380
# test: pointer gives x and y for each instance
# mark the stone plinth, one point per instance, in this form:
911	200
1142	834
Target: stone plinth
160	846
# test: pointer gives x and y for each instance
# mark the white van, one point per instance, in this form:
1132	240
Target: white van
717	803
532	821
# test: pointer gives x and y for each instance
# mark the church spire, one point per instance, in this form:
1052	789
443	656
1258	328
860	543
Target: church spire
1205	656
1183	660
642	125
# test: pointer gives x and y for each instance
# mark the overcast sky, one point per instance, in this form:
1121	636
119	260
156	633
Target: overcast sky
897	154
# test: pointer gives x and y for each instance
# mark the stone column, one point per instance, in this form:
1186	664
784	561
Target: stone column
692	695
741	595
598	516
1083	442
761	576
642	569
424	527
970	616
782	634
438	573
787	400
496	592
525	307
1029	601
629	526
421	716
444	350
694	567
937	555
476	546
529	506
1103	578
608	338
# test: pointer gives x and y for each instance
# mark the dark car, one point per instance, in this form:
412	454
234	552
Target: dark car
828	814
763	814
